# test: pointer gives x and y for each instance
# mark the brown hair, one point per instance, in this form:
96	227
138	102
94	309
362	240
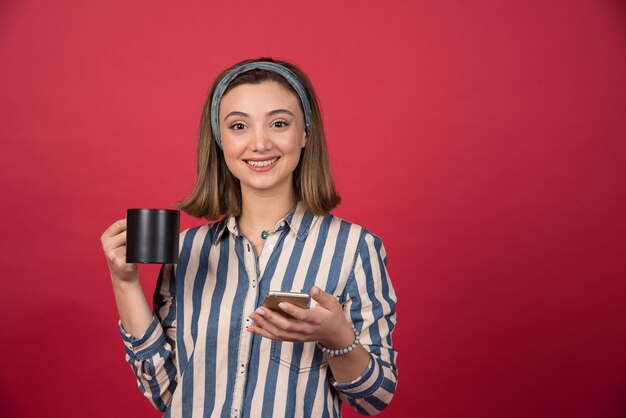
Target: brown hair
217	192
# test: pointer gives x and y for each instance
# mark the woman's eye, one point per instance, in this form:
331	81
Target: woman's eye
280	124
237	126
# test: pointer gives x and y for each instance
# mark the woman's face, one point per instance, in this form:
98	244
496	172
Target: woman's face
262	131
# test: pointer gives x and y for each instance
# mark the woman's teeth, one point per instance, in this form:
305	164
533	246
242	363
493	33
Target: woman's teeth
262	163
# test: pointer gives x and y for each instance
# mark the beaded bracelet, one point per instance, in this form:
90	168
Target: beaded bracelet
342	351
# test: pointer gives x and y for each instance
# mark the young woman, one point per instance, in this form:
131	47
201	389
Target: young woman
209	347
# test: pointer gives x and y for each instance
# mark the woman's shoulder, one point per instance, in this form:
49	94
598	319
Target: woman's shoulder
354	240
351	229
210	231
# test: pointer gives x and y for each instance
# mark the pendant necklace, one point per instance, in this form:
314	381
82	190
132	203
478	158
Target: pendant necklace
266	232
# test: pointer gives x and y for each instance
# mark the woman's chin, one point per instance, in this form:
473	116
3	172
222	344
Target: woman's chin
265	185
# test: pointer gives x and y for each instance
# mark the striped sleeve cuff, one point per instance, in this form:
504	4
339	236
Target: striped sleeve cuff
146	345
364	385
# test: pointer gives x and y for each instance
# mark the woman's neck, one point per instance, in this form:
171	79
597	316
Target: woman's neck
261	212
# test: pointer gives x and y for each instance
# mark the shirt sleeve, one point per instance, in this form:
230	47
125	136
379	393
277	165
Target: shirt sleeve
370	303
152	356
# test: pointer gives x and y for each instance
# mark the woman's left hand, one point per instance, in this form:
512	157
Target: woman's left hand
325	323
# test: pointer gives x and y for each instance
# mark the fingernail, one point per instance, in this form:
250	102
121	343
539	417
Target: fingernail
260	311
283	306
316	290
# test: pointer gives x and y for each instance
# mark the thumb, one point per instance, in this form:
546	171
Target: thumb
325	299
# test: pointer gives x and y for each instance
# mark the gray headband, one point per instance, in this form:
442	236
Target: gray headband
285	72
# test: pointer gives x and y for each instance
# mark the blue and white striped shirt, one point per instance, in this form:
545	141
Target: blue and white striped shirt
196	358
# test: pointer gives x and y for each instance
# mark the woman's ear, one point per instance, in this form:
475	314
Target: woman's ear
305	137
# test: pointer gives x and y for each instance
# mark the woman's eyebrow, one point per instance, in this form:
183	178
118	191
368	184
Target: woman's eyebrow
270	113
236	113
273	112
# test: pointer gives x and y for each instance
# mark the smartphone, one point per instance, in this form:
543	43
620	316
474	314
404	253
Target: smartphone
274	297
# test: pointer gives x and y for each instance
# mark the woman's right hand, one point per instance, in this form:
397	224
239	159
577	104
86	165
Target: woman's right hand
114	246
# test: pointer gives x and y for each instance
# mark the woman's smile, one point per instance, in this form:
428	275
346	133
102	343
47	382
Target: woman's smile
261	164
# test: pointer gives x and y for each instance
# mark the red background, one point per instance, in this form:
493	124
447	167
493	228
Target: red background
483	141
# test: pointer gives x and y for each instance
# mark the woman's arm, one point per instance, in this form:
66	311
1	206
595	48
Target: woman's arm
148	337
371	307
132	306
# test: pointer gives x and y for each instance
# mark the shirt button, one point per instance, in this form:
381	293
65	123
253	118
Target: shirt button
242	369
271	246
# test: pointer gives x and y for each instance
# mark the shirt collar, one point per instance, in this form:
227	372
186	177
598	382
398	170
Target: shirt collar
298	220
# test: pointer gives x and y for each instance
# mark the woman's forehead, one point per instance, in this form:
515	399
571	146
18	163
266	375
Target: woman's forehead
267	95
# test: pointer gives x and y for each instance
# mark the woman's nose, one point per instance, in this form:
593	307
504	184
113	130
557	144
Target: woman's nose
261	139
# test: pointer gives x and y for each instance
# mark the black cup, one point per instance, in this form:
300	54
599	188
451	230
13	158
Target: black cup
152	236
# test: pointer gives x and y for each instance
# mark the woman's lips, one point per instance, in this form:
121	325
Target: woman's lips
261	165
